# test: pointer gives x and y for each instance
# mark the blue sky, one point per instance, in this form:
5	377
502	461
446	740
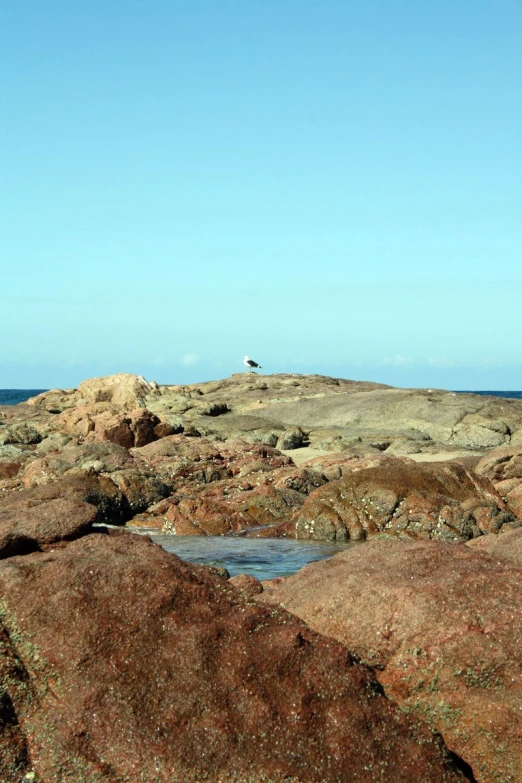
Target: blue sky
328	186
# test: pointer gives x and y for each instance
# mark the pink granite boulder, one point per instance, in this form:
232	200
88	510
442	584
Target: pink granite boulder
443	625
132	665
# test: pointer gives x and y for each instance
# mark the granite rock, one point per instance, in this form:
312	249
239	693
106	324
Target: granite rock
501	464
443	625
27	526
507	546
155	670
330	413
424	500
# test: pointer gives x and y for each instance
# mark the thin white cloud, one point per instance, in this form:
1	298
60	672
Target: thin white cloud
73	361
398	360
441	361
190	358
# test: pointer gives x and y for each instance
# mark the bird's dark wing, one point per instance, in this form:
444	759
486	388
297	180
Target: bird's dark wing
252	363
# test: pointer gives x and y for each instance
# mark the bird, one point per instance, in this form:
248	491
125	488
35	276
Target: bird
250	363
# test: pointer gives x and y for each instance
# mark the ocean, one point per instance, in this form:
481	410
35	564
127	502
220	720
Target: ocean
14	396
515	395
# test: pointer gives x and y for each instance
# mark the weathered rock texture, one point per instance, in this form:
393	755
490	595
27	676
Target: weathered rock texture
223	487
423	500
105	474
507	546
442	623
504	468
103	422
501	464
291	411
28	525
122	663
222	473
125	390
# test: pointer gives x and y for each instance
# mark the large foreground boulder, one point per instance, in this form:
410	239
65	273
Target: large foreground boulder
443	625
122	663
423	500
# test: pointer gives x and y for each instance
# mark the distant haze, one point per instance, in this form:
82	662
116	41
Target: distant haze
328	187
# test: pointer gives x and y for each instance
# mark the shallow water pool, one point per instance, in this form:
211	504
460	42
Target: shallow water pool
264	558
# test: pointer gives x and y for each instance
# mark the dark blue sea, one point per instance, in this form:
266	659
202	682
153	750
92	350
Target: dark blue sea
516	395
14	396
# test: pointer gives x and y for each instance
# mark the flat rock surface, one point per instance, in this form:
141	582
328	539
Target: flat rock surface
332	413
443	624
122	663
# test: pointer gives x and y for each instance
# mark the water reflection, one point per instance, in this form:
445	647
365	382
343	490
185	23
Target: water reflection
264	558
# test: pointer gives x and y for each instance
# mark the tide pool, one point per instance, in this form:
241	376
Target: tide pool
264	558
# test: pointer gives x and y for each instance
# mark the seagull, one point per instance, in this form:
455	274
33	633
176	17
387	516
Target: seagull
250	363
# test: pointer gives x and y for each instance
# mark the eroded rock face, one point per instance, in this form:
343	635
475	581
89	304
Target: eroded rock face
208	460
123	389
105	473
104	422
514	500
501	464
98	457
424	500
442	622
189	516
85	486
223	488
156	670
335	466
504	468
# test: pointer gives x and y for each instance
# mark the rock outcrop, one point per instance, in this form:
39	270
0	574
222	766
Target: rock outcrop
104	422
102	473
124	390
290	411
442	623
95	627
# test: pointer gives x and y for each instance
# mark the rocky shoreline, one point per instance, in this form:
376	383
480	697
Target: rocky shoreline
397	661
